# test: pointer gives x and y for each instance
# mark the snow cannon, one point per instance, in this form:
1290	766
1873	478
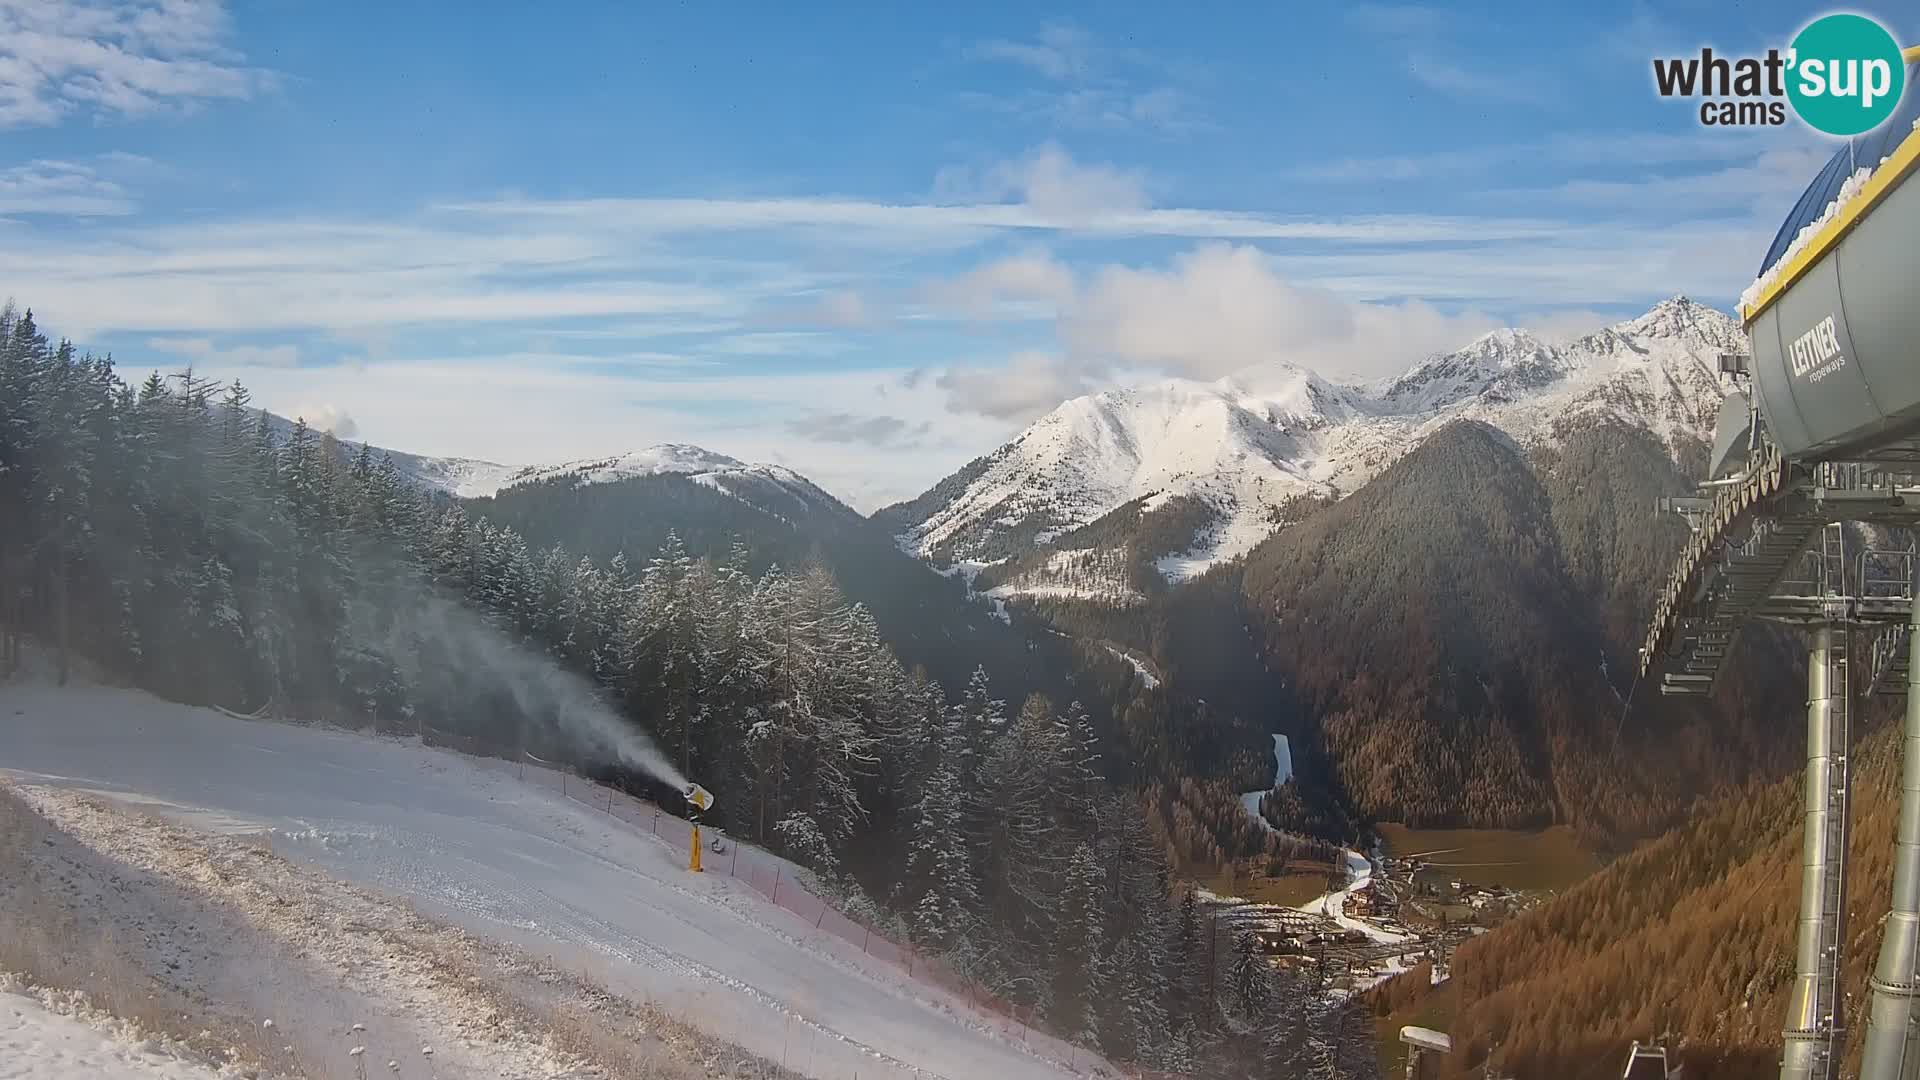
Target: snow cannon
1832	316
701	800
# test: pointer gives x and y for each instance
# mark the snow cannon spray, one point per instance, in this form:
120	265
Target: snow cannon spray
444	642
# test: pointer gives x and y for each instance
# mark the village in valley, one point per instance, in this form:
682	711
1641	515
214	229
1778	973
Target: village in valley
1385	916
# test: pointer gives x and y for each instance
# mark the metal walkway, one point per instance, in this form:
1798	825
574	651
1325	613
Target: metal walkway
1745	562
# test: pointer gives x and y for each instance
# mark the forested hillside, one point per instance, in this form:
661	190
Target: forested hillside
926	619
1454	643
1692	933
165	533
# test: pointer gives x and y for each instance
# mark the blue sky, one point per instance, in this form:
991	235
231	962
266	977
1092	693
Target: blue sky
866	241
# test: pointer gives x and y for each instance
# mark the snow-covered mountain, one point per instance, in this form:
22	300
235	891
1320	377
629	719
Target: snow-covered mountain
1244	446
774	488
1094	453
461	477
464	478
1505	363
652	461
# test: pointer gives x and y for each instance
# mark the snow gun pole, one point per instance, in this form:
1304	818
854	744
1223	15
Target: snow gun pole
700	799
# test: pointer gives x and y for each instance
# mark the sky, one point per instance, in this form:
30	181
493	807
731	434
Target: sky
866	241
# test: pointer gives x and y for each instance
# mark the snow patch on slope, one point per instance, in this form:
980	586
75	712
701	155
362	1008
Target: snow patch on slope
50	1038
1147	678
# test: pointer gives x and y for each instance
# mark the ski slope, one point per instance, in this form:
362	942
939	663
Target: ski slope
463	839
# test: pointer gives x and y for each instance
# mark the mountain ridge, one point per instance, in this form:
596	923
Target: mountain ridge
1248	445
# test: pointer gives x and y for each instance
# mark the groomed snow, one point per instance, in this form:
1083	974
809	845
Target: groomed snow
465	840
37	1043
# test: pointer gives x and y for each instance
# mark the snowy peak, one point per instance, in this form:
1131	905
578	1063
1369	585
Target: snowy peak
1292	397
1220	462
1684	321
1500	365
462	478
774	489
652	461
1221	445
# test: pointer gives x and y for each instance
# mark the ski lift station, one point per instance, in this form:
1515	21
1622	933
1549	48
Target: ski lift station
1819	436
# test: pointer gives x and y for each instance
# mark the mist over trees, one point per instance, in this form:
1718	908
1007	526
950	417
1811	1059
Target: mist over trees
168	535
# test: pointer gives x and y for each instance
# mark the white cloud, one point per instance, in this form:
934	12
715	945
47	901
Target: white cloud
115	58
1508	87
1089	85
877	430
641	259
1597	262
61	188
1221	308
1027	385
1766	185
1049	182
913	225
841	309
1588	149
505	410
329	418
204	351
1063	52
1033	276
1564	324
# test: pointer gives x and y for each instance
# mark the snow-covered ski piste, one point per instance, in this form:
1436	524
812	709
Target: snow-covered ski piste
550	864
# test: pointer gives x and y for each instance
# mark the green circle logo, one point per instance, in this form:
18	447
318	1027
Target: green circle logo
1845	74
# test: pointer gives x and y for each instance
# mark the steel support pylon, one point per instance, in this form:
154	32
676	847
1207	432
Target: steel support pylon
1815	1033
1892	1050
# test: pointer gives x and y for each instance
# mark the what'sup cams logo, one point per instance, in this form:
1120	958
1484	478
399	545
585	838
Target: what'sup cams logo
1843	75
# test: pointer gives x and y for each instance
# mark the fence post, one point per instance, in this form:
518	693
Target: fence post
867	938
735	863
776	884
656	821
609	802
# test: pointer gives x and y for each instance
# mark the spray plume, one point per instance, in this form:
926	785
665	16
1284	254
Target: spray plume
438	642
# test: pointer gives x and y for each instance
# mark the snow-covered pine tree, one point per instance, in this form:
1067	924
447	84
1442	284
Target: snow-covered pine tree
1251	978
938	888
1078	970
